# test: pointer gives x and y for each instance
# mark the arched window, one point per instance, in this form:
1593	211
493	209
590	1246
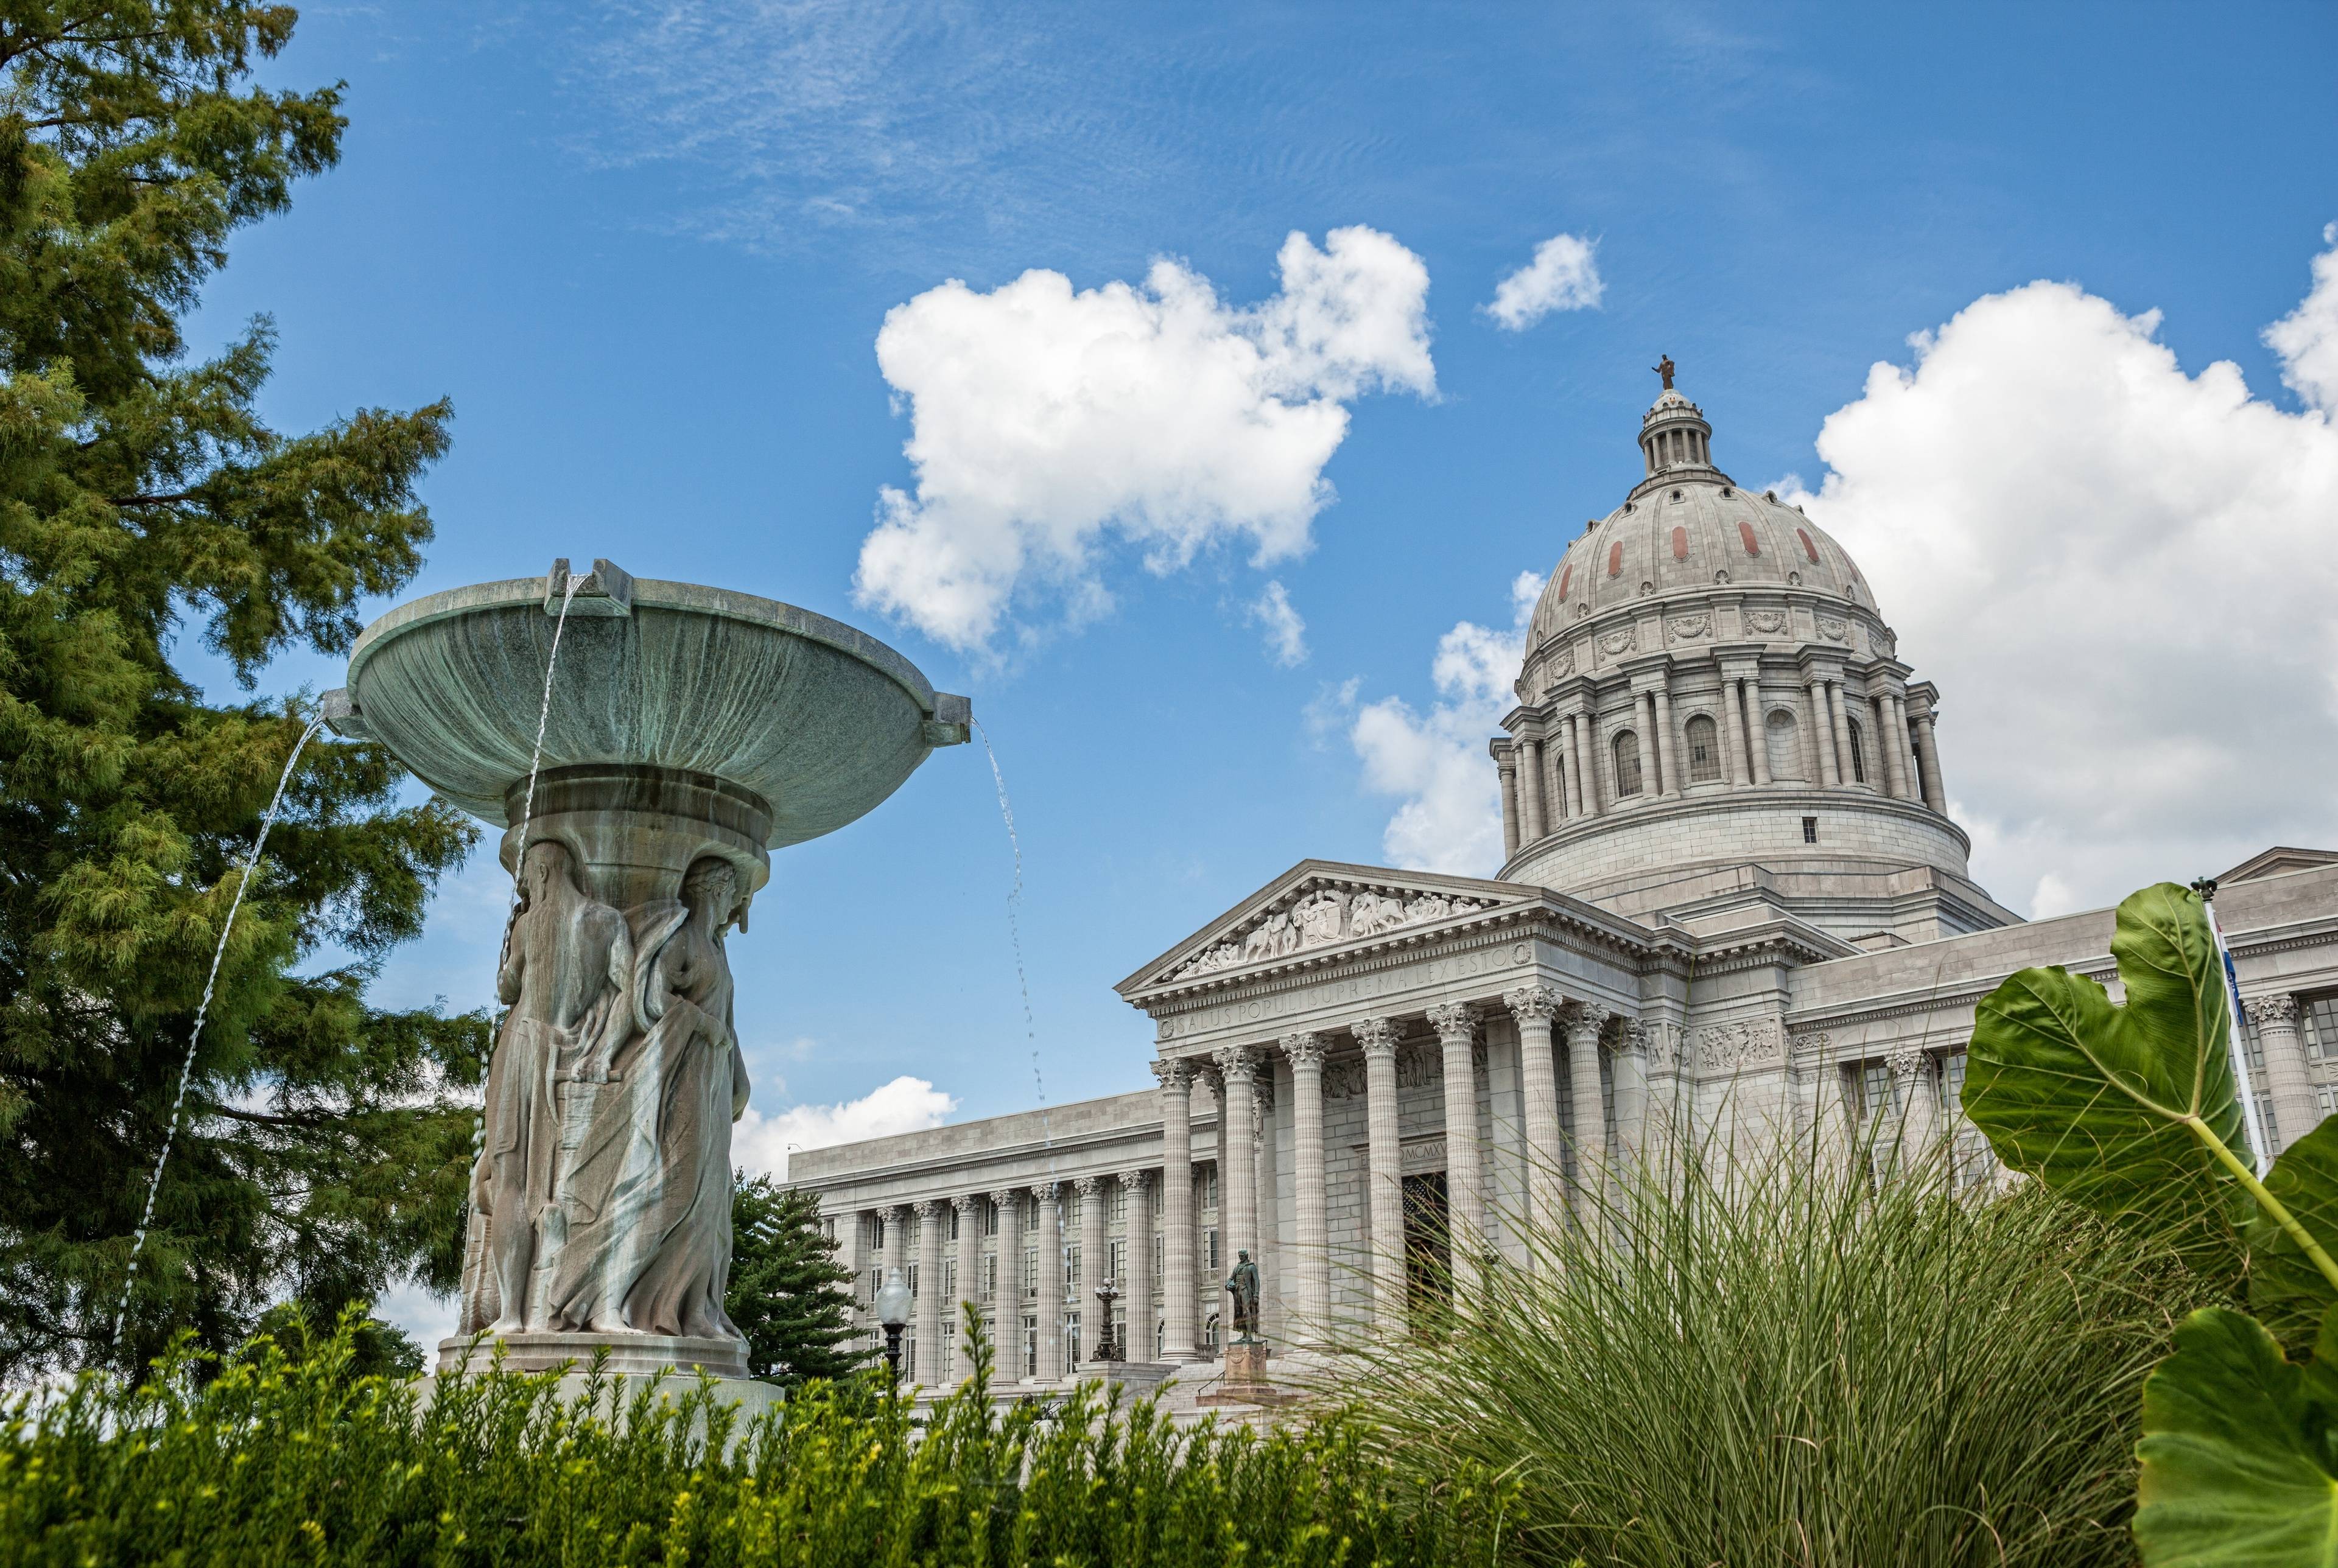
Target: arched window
1628	764
1704	750
1786	741
1858	753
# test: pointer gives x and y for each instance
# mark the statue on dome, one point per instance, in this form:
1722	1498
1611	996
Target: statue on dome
1664	368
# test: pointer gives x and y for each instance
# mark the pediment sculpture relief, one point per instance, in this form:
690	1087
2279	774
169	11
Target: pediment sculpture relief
1321	917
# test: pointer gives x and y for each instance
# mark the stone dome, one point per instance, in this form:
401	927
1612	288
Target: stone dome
1687	528
1709	694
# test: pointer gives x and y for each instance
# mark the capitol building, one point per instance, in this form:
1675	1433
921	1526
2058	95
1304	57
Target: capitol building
1733	906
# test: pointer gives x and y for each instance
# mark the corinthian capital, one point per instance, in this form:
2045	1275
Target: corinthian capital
1177	1076
1453	1019
1532	1003
1236	1063
1304	1050
2279	1008
1377	1036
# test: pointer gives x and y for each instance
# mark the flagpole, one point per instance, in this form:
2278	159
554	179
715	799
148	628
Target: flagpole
2235	1042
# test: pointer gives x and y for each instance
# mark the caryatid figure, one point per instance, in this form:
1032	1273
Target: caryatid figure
567	962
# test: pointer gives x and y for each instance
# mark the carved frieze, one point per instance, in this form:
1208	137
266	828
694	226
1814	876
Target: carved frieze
1834	629
1768	623
1320	916
1689	628
1618	642
1733	1047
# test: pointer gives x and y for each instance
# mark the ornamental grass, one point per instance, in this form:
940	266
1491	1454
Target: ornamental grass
1786	1363
279	1455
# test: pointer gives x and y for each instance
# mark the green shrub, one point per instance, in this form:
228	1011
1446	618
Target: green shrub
288	1458
1784	1365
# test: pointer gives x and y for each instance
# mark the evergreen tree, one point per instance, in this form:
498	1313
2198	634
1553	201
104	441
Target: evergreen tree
142	499
789	1296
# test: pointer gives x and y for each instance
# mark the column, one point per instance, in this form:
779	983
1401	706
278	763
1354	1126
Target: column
1177	1320
1913	1086
1757	734
1455	1024
970	1281
1383	1175
1576	804
1096	1261
1733	715
1050	1358
1900	749
1006	1294
894	1218
1313	1263
1587	764
1928	762
1137	1289
1628	1066
1238	1167
933	1301
1553	781
1273	1291
1652	770
1846	769
1822	737
1533	1006
1893	733
1529	789
1506	764
1669	740
2294	1114
1590	1130
856	1259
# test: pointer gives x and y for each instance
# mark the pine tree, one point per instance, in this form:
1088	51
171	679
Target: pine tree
142	499
788	1294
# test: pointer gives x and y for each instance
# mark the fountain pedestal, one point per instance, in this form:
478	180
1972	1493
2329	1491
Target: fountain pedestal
687	732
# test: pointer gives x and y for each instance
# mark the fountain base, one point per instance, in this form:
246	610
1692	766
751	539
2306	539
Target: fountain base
632	1355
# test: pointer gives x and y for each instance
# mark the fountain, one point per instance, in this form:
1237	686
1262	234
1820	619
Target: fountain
686	732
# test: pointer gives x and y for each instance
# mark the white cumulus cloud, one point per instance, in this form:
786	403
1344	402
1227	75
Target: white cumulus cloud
2120	576
1045	421
1286	630
2307	337
1450	819
760	1144
1563	276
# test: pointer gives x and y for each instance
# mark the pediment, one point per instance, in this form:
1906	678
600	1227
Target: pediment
1319	907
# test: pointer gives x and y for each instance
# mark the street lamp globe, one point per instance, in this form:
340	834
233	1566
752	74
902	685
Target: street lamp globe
893	1314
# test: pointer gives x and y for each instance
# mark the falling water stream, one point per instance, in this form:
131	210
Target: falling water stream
1022	979
519	860
202	1011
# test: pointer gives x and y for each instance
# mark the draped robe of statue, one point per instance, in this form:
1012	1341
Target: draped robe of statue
645	1202
567	959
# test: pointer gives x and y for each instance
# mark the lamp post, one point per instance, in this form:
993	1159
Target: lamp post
893	1313
1107	1347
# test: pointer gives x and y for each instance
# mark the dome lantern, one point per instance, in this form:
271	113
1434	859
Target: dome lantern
1674	433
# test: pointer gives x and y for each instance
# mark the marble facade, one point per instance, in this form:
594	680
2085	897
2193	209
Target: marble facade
1733	906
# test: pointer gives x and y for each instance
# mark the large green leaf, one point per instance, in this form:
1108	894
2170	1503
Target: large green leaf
2239	1450
2286	1287
2109	1104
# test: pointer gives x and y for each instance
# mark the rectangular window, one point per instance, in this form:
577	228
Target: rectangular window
1156	1257
1118	1212
1810	829
913	1282
1210	1254
1873	1092
1071	1338
1030	1347
952	1222
1030	1274
2319	1020
949	1278
2326	1099
989	1218
991	1273
1209	1187
1071	1208
1072	1271
1952	1081
1116	1261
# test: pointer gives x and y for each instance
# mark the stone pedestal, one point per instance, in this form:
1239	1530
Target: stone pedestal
1243	1381
630	1355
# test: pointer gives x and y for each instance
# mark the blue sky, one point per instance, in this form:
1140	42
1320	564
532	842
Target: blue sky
648	251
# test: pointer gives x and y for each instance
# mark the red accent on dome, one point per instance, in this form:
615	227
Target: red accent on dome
1563	579
1809	549
1745	531
1615	559
1680	544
